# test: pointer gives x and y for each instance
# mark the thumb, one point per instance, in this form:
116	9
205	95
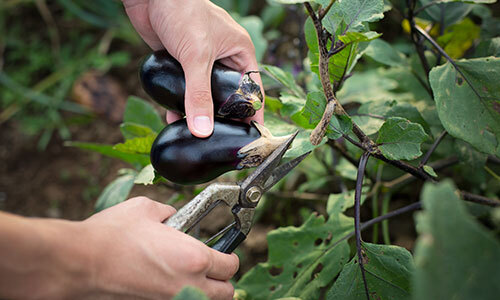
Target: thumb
198	96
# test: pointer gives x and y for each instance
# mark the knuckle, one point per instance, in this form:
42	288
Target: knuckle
199	262
140	201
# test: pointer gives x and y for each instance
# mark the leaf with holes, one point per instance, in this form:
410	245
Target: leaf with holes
470	114
456	257
302	260
388	271
400	139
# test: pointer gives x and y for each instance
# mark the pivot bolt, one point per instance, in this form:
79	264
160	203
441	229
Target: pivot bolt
253	194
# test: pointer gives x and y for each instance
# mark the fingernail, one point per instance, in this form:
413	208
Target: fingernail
202	125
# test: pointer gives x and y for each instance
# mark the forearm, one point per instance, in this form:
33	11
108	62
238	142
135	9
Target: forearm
40	258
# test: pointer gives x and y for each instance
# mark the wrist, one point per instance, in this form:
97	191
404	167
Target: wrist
64	269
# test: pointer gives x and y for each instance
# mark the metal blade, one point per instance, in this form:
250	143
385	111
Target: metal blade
282	171
265	169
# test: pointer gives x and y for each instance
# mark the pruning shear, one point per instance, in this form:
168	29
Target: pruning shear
241	198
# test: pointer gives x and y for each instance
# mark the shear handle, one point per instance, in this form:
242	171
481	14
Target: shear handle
230	240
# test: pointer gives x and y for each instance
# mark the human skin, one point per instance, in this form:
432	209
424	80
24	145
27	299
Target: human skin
124	252
196	33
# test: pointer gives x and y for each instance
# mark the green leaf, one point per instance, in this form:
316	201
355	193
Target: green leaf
190	293
489	47
285	78
383	52
278	127
367	86
302	260
348	16
108	150
459	37
388	270
139	145
339	203
117	191
454	11
140	112
254	26
146	176
400	139
463	114
133	130
291	104
393	109
429	170
313	111
455	256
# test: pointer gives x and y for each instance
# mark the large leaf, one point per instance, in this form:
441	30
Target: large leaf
388	271
489	47
383	52
141	112
313	111
117	191
367	86
400	139
455	257
108	150
339	203
463	114
348	16
302	260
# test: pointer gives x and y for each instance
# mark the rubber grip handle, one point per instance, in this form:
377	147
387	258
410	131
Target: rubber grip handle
229	241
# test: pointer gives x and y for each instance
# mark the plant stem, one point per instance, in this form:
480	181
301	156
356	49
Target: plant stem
394	213
479	199
433	147
322	13
357	215
415	37
385	223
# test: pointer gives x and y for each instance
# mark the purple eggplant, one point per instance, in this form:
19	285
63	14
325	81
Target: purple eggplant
182	158
234	95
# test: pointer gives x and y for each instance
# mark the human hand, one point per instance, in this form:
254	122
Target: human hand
196	33
134	254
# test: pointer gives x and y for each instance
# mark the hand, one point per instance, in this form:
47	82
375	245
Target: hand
135	255
196	33
124	252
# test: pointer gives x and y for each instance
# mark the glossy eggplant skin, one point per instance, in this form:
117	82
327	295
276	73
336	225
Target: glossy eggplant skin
183	158
163	79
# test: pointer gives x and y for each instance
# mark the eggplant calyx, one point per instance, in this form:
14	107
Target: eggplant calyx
244	101
257	151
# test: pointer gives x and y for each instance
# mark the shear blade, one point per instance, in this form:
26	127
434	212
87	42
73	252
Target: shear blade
282	171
